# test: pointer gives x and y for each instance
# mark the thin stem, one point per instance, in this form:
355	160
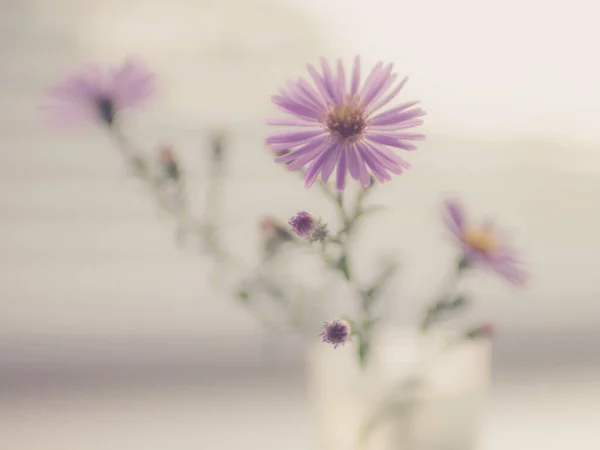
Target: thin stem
443	300
178	208
363	325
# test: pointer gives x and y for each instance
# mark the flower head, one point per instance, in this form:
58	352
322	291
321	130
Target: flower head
96	94
303	224
342	126
482	244
336	332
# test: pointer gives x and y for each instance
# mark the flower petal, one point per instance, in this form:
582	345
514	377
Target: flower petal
329	163
316	166
329	82
341	169
397	115
297	122
294	137
392	142
454	217
376	168
310	146
319	83
370	79
388	98
294	108
369	94
355	76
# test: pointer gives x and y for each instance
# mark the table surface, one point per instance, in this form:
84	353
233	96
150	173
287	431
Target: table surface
552	411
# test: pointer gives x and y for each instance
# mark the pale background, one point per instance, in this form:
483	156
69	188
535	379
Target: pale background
110	337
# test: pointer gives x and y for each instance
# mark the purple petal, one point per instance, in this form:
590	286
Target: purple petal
397	115
455	217
329	163
308	90
408	136
376	168
341	80
384	129
355	76
329	81
371	79
392	142
131	84
307	148
295	94
316	166
297	122
319	83
385	162
389	81
510	272
294	138
306	158
388	98
294	108
368	95
392	157
341	170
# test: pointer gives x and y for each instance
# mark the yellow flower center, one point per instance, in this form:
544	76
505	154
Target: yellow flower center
348	120
481	239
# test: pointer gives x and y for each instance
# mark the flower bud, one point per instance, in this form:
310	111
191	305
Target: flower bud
336	332
485	330
169	163
303	224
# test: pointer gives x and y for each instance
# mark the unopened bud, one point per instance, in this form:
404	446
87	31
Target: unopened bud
303	224
483	331
169	163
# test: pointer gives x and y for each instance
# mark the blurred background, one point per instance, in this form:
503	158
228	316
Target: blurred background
111	336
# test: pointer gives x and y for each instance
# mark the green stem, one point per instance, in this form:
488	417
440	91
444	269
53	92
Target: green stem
205	229
441	302
363	324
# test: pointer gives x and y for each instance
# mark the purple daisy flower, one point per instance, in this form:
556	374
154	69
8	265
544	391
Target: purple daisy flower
336	332
342	125
303	224
96	94
483	245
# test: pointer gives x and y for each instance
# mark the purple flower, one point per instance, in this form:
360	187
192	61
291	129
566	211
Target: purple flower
483	245
96	94
340	124
336	332
303	224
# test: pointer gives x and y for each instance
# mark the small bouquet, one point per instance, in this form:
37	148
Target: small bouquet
338	129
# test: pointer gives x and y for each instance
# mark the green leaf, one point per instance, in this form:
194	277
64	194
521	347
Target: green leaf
342	266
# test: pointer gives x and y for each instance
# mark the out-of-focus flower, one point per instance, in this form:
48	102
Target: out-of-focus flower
271	228
97	94
482	245
169	162
336	332
340	124
303	224
483	331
